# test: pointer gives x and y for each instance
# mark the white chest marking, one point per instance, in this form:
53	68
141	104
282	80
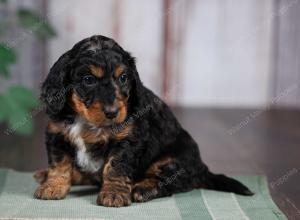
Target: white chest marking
75	135
88	164
83	158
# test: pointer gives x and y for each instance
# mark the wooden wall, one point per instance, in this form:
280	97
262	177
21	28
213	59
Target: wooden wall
31	66
287	53
227	53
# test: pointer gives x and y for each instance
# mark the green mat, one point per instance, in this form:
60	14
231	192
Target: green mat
17	202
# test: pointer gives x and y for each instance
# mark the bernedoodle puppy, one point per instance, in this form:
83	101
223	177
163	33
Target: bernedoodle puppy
107	129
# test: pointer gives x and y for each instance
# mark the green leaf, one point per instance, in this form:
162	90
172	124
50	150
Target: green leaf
7	58
20	122
23	96
4	109
3	1
31	20
4	70
7	54
26	128
45	31
15	108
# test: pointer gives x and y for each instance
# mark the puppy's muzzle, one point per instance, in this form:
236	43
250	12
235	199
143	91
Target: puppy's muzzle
110	112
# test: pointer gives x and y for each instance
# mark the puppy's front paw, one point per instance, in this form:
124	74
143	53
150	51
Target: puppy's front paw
51	192
113	198
41	176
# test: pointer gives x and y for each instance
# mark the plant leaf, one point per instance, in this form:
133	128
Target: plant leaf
20	122
3	70
4	109
31	20
15	108
7	58
7	54
26	128
23	96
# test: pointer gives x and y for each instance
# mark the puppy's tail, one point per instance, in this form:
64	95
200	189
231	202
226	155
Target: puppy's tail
223	183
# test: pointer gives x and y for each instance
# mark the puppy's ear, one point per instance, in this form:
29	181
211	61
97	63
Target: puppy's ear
137	90
55	88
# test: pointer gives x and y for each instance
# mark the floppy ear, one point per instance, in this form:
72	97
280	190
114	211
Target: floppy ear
54	88
137	89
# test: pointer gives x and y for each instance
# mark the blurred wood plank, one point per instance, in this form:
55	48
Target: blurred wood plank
287	52
30	67
268	144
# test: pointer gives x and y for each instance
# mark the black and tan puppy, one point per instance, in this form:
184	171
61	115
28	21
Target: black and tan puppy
106	128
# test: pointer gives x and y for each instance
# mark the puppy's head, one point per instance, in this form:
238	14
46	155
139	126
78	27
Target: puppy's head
96	80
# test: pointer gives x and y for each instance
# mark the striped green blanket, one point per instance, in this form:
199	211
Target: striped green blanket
17	202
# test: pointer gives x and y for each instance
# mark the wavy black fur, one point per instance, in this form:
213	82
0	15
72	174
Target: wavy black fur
156	133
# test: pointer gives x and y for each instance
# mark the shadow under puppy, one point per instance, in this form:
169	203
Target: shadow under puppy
107	129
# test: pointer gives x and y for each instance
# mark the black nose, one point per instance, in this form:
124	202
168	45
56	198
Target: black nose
110	112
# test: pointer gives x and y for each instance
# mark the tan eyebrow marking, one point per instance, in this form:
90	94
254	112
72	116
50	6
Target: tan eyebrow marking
119	70
97	71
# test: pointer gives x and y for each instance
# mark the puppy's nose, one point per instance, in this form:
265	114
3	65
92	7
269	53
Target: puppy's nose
110	112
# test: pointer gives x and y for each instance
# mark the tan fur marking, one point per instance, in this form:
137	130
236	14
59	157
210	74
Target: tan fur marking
91	137
118	94
109	172
116	190
41	176
115	194
107	167
93	114
119	70
58	181
55	127
146	183
154	169
123	133
80	179
145	190
61	169
122	112
97	71
94	136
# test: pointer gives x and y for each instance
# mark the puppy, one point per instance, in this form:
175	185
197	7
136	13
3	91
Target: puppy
107	129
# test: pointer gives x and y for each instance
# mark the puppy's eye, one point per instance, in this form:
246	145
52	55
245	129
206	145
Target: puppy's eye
89	80
123	78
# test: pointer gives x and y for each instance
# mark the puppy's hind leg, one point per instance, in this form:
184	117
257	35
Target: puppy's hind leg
163	178
146	190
